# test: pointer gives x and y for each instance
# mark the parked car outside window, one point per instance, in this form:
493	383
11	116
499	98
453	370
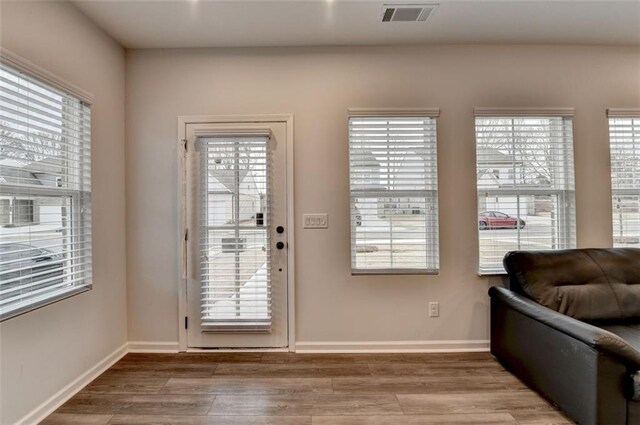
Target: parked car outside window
498	220
23	266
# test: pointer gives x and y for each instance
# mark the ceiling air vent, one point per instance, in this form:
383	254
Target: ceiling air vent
407	12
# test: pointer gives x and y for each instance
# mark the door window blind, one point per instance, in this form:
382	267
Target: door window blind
235	247
525	181
45	192
394	198
624	138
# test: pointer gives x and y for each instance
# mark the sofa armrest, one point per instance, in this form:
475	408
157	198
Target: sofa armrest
599	339
571	363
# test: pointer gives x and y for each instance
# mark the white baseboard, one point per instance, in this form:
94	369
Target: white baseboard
153	347
443	346
236	350
58	399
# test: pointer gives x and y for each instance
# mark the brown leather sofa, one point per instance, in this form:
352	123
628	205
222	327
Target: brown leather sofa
569	327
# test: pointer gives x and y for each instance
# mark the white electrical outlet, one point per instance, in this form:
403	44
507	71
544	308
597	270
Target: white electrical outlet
315	221
434	309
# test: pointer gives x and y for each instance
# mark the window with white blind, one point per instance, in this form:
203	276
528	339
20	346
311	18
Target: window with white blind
525	181
394	193
45	192
624	138
235	243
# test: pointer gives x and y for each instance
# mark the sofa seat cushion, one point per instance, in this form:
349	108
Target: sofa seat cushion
630	333
586	284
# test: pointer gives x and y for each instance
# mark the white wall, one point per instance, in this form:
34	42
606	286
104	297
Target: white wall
44	350
317	85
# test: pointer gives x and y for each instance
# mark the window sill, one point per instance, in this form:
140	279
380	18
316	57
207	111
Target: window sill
359	272
492	273
39	303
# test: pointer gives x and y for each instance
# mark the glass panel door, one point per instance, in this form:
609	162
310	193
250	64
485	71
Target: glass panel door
237	241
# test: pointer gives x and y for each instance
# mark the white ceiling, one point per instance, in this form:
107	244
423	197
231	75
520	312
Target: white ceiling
240	23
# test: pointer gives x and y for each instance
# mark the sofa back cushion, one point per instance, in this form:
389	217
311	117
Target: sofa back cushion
587	284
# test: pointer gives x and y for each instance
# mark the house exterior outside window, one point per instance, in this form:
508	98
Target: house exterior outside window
18	212
525	183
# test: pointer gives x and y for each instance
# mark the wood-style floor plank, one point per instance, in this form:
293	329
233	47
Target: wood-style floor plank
153	369
166	374
221	385
420	369
330	358
454	419
447	357
478	402
509	380
291	370
73	419
416	385
209	420
221	357
541	418
302	405
150	357
226	388
124	384
157	404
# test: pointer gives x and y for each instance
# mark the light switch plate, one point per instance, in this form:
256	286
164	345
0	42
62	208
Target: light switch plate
315	221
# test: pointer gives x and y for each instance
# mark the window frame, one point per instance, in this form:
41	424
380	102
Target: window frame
566	225
400	196
632	114
77	197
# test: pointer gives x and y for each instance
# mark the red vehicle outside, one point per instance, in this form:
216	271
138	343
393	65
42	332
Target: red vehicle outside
498	220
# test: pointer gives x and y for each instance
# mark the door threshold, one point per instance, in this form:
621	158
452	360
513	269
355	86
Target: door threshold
238	350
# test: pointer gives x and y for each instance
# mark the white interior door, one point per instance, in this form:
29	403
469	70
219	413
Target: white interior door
236	246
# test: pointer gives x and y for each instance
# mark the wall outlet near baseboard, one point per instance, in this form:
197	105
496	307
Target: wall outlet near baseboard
434	309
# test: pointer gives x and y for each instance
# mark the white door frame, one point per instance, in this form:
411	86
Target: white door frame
182	274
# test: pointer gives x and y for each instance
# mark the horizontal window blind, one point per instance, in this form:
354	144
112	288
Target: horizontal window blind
235	247
45	193
394	199
624	138
525	182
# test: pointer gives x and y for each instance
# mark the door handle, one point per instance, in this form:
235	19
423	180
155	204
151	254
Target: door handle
280	245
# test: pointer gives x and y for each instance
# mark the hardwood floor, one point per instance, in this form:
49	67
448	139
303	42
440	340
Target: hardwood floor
306	389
